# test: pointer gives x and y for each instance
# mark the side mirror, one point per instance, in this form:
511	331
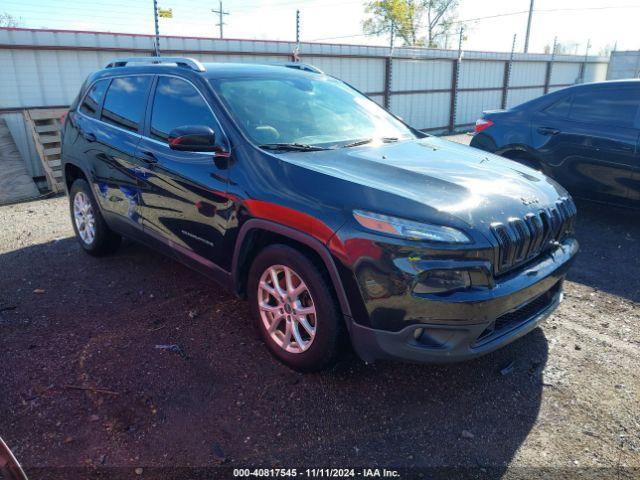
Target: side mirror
193	138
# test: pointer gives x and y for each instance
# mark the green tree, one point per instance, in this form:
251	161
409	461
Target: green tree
416	22
393	17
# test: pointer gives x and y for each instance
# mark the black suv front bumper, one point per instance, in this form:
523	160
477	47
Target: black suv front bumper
484	320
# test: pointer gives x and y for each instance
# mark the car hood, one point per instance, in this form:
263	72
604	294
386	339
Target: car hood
470	184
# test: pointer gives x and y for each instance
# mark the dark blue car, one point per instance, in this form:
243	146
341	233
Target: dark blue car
585	137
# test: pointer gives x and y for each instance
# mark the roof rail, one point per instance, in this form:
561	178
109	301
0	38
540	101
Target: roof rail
179	61
302	66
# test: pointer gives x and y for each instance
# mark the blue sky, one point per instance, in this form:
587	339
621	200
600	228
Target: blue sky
573	21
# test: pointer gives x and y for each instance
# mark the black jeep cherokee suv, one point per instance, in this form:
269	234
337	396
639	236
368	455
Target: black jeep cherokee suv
294	190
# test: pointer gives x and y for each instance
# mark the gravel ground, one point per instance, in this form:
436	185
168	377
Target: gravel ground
84	385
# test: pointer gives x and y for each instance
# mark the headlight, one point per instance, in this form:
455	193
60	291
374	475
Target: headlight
409	229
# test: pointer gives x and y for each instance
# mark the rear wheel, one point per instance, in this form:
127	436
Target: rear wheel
294	309
93	234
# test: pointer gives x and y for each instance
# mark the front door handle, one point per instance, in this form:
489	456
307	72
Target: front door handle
548	131
148	157
88	136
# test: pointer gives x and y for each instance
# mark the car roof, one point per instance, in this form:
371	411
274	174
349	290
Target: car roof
608	83
555	95
221	70
208	70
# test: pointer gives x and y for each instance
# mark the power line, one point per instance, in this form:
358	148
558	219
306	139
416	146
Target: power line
509	14
307	4
548	10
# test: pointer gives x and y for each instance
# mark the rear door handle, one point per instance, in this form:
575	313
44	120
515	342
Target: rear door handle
147	157
548	131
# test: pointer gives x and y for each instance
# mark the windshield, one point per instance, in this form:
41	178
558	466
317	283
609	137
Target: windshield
309	110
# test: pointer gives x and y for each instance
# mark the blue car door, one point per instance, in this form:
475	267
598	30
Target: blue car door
588	141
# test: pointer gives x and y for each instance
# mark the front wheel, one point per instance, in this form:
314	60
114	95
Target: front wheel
95	237
294	308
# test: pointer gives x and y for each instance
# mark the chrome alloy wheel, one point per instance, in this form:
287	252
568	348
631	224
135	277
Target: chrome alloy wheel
286	308
84	217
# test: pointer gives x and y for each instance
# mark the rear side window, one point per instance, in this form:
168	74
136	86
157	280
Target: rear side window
611	106
560	108
177	103
125	102
93	98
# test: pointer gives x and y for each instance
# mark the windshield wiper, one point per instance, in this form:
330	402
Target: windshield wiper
357	143
295	147
364	141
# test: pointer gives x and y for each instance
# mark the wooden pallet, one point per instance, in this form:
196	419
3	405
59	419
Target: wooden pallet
15	183
45	127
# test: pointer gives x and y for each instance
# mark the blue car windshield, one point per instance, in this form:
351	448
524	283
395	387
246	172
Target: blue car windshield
313	110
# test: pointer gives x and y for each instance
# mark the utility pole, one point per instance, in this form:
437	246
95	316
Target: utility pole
220	12
156	47
526	38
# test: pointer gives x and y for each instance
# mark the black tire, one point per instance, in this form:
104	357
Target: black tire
105	241
329	334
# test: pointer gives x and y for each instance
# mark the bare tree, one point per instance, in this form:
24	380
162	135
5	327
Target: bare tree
563	48
8	20
607	50
440	17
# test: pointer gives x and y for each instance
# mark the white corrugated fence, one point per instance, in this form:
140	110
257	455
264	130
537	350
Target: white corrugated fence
430	89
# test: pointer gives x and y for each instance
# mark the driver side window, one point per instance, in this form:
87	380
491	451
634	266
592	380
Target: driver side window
177	103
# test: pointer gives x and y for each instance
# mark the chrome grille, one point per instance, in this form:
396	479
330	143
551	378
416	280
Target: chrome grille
522	239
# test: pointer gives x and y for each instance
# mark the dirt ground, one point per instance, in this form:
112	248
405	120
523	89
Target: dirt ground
84	383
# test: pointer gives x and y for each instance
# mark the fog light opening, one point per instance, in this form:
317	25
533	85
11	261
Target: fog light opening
432	337
417	333
443	281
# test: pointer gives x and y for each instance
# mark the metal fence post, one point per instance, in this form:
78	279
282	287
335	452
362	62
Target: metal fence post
547	77
455	67
156	46
507	75
455	78
583	66
388	71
